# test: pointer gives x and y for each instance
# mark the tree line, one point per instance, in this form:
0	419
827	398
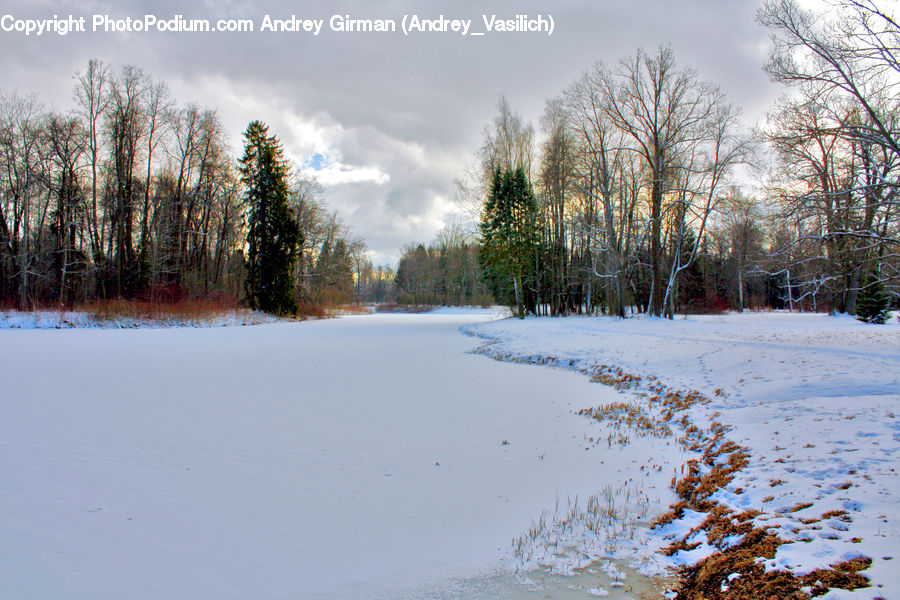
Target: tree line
628	198
446	272
130	195
630	195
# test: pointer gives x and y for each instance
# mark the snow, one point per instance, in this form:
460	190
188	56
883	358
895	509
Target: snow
68	319
344	458
378	456
814	398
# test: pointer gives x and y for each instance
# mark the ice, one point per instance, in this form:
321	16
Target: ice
344	458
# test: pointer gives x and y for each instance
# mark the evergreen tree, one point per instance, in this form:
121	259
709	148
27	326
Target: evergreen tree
872	303
509	238
274	236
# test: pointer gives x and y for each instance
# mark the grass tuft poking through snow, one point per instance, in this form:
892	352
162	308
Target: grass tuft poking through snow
573	536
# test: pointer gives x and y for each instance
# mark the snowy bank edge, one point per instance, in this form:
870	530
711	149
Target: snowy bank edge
670	533
47	319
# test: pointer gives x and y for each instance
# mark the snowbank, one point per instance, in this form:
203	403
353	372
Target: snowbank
70	319
813	397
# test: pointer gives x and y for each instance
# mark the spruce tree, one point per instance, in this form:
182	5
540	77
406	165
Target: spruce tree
872	303
274	236
509	238
489	251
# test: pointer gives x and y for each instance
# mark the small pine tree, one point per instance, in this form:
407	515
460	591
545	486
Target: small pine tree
274	235
872	303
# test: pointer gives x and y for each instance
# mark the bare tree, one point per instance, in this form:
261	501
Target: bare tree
603	167
93	99
841	133
158	109
21	185
508	143
705	165
665	111
557	183
742	220
67	141
126	126
854	55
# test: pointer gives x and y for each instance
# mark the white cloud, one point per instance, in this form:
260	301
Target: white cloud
337	174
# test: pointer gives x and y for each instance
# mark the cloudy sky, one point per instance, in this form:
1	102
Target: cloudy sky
386	120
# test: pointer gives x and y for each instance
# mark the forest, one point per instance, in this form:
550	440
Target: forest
633	191
640	191
130	195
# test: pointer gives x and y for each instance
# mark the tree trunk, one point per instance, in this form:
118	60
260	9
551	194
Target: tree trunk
520	303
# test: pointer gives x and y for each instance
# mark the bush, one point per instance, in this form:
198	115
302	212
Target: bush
184	310
708	305
872	303
309	310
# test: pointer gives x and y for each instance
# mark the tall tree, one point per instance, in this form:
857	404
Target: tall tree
126	126
21	189
509	238
557	180
507	144
667	112
93	98
66	141
274	236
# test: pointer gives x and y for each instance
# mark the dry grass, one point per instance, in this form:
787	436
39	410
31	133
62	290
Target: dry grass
742	547
388	307
621	414
185	310
615	377
349	309
175	308
713	577
308	310
835	514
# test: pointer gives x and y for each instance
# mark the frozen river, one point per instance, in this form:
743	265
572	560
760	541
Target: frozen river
363	457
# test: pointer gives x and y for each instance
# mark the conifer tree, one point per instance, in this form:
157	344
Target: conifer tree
274	236
509	238
872	303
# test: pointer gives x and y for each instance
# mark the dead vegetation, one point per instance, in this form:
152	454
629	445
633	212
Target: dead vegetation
737	574
182	310
615	377
621	414
736	571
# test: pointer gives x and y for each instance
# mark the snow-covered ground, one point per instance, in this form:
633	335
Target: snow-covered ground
815	399
376	456
364	457
68	319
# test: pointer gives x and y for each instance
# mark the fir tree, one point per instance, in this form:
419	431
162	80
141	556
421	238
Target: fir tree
509	238
274	236
872	303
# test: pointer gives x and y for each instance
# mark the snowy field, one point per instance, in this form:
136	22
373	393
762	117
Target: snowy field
377	456
363	457
814	398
